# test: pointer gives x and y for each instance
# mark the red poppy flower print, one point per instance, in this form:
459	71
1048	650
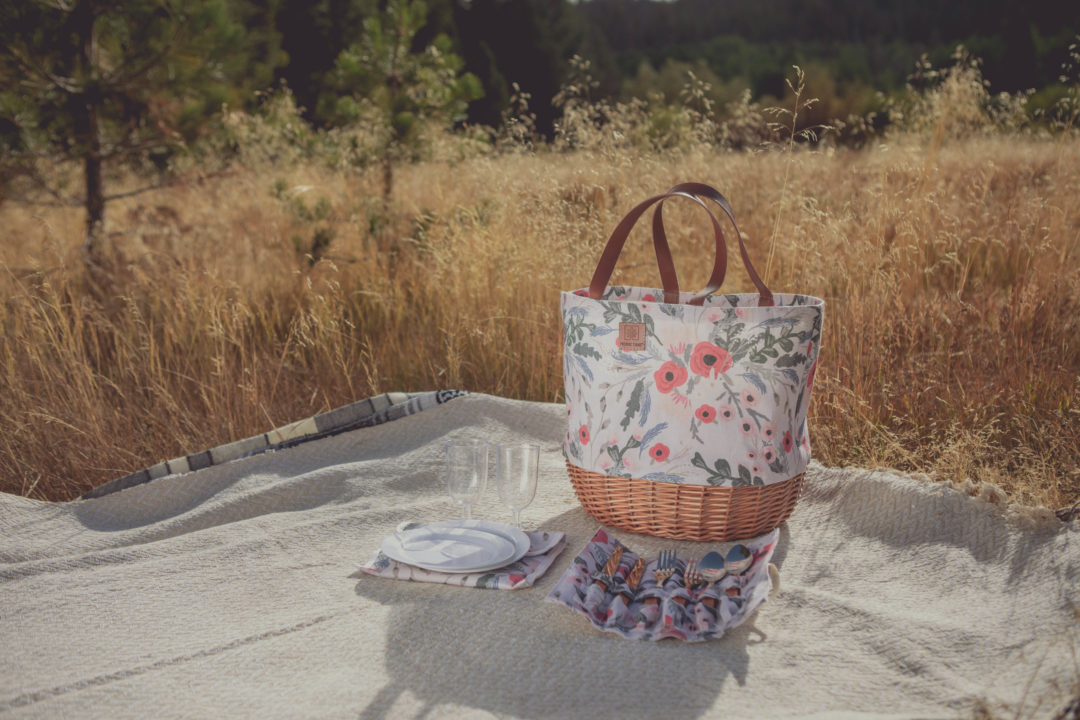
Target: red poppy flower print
583	435
768	454
788	442
648	297
749	397
726	412
746	427
768	431
670	376
710	360
706	413
659	452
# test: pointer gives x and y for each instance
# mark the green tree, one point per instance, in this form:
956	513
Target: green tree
109	81
314	33
385	82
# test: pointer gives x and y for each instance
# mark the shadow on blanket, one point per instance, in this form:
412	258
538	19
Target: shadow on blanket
467	662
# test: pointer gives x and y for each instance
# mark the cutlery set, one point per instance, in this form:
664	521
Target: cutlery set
679	593
696	574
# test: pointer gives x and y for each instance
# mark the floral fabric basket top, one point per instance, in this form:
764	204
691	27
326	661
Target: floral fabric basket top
698	389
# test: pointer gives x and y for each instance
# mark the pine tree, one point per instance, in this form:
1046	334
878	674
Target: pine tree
383	80
109	81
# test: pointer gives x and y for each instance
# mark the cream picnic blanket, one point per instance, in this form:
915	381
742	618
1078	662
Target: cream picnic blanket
230	591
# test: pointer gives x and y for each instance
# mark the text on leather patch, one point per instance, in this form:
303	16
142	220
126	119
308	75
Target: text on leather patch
631	336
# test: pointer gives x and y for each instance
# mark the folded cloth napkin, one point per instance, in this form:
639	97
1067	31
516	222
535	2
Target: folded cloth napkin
544	547
655	612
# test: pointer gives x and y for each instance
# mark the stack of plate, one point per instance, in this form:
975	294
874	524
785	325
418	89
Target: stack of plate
457	546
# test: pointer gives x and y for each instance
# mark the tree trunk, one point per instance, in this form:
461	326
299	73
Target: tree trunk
388	176
88	127
95	189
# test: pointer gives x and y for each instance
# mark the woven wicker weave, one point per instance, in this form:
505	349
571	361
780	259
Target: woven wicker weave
685	512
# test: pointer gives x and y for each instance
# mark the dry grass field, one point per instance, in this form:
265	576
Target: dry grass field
236	301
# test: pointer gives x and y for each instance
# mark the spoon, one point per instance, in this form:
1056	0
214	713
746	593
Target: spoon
712	567
739	559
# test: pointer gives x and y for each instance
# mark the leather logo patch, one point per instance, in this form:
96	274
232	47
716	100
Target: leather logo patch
631	336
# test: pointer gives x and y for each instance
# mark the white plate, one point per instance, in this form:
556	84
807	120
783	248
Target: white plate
517	537
458	546
448	548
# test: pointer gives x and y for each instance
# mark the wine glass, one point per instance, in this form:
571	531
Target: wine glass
466	472
515	475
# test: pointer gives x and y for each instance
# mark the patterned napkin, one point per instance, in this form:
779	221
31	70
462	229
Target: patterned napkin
544	547
655	613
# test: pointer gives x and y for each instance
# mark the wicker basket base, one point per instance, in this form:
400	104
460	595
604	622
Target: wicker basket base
685	512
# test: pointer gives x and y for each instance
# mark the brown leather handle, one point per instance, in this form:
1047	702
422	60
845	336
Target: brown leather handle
669	279
701	190
663	255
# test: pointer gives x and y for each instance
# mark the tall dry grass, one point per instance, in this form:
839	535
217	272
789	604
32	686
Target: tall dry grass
238	301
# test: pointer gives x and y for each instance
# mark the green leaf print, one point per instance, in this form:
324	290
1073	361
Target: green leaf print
718	474
614	311
633	406
729	339
575	329
792	360
587	351
650	329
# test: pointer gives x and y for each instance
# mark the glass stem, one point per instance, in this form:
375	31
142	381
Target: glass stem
468	512
517	519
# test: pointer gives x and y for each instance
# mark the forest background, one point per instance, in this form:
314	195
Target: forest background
856	54
220	216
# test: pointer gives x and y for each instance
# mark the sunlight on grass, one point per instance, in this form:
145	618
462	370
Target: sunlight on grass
237	300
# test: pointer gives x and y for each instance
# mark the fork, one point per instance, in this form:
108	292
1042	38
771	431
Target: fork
691	575
665	566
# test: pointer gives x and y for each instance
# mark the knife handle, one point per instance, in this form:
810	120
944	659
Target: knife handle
608	574
633	579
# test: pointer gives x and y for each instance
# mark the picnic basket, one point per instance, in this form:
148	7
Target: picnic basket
687	412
